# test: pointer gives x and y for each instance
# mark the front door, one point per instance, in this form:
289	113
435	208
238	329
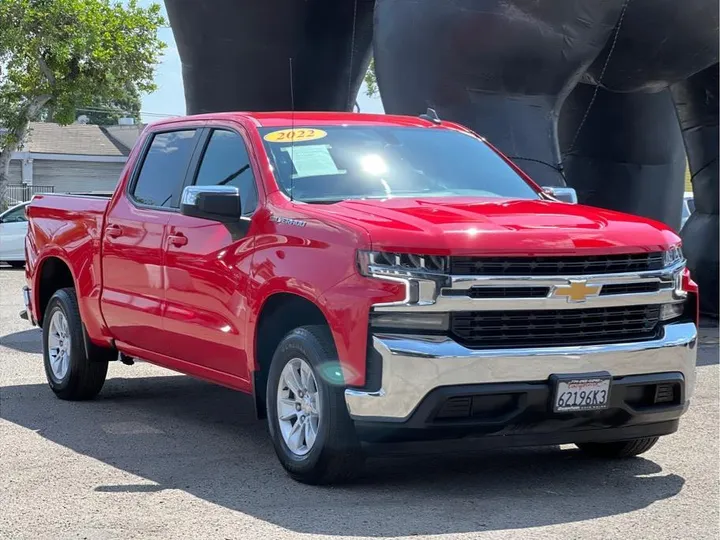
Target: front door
133	240
208	263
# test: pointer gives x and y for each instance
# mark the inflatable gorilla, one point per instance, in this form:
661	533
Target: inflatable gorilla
598	95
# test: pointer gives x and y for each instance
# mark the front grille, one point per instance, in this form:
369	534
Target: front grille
555	266
511	329
629	288
499	292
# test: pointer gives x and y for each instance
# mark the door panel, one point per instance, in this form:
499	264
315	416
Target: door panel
205	306
207	265
133	286
134	240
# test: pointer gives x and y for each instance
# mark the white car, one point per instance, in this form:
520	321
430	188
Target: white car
13	228
688	207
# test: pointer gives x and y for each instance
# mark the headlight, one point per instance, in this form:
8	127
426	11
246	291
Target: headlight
672	255
384	263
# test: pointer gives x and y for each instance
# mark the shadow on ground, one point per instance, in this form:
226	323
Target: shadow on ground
179	433
27	341
708	353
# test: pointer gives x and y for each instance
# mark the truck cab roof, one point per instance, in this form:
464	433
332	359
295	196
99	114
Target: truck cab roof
285	118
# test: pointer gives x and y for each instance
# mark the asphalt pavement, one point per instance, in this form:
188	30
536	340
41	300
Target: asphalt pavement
160	455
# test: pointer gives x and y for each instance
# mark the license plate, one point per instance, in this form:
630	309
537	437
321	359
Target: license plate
581	394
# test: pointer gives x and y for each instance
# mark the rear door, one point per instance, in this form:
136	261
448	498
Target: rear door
133	240
207	263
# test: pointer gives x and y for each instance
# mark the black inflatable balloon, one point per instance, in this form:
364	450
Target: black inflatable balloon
628	154
659	42
502	68
505	68
697	105
235	53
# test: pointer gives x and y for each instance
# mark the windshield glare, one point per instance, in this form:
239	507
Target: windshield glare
335	163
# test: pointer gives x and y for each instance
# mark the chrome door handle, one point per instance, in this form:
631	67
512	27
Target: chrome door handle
113	231
178	240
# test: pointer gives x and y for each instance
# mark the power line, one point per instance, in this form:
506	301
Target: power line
121	111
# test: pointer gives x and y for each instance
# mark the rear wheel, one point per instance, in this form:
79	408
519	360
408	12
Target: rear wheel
313	435
70	373
619	449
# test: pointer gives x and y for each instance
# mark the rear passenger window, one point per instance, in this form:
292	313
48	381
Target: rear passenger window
226	163
163	170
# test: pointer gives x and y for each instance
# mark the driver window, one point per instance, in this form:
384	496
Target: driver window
226	163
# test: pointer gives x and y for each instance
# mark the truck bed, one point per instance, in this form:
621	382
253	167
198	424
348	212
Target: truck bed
69	228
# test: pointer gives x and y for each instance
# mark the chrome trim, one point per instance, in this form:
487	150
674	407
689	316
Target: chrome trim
190	194
412	366
465	303
663	274
431	297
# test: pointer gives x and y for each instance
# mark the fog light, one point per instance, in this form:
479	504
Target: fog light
671	311
433	322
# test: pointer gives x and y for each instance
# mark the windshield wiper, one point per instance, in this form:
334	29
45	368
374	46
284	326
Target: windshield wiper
321	201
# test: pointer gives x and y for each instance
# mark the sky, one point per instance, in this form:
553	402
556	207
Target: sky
169	98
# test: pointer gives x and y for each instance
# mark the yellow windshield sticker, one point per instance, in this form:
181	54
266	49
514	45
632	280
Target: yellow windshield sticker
295	135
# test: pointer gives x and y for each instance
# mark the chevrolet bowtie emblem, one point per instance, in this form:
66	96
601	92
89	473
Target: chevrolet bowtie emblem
576	291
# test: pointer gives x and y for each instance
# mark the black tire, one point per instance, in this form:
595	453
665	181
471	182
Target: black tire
85	376
619	449
16	264
336	455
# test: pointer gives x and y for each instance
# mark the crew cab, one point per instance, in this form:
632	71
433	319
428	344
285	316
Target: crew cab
369	279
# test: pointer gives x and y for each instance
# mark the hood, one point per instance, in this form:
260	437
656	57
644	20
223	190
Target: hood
446	226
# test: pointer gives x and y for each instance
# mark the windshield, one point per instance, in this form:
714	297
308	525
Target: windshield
335	163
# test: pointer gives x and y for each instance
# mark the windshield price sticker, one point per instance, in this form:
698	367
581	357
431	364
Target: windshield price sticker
295	135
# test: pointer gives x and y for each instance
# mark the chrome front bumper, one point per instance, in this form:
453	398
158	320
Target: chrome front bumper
414	366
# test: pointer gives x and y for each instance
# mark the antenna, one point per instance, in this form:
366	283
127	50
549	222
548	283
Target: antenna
352	55
431	116
292	133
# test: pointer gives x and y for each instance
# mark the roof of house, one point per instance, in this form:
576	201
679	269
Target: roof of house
76	139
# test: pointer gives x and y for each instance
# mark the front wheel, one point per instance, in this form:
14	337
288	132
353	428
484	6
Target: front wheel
313	435
70	373
619	449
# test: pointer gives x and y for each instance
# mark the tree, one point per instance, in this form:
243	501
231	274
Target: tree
371	80
102	112
108	112
63	54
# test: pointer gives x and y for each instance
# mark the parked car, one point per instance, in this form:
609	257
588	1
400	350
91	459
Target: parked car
369	280
688	206
13	228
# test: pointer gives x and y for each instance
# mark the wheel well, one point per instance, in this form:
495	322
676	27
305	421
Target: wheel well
54	275
281	314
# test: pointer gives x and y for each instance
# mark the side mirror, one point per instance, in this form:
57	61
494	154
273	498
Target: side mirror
564	194
217	203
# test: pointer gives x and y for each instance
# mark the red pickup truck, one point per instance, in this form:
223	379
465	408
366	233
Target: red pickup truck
369	280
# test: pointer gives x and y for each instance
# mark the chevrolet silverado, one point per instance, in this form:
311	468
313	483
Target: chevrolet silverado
369	279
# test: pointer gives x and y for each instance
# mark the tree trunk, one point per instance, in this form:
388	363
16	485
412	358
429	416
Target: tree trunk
13	139
5	174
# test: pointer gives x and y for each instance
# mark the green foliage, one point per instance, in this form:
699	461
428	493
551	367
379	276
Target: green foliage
60	55
371	80
107	113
